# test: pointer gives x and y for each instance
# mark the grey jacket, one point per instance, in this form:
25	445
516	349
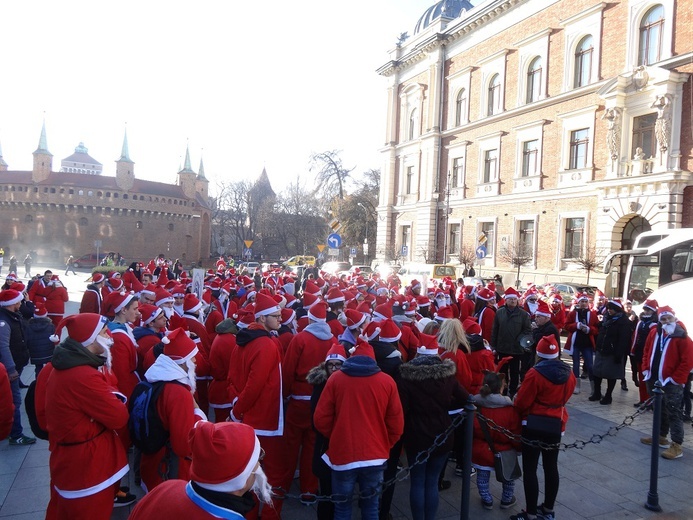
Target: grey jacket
508	327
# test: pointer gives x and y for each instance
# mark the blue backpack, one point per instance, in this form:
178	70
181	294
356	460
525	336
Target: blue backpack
146	429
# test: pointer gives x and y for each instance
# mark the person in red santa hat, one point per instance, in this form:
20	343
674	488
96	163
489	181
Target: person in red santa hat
582	325
176	407
219	358
124	307
480	358
148	334
287	331
540	403
83	410
255	389
307	349
192	317
6	404
92	299
484	312
56	296
112	284
668	358
558	312
224	470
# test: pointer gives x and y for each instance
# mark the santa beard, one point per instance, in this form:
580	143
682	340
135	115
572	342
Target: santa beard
109	358
261	487
168	312
189	368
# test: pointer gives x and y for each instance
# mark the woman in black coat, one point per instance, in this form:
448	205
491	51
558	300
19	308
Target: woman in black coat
428	390
613	345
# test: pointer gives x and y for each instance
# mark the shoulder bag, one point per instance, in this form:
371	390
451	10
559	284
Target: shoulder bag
505	463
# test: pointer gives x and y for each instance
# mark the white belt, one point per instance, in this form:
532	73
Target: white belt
300	397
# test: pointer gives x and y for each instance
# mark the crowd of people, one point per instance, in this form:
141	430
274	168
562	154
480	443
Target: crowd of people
337	377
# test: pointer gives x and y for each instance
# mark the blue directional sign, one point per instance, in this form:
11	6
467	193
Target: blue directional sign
405	250
334	241
481	252
353	251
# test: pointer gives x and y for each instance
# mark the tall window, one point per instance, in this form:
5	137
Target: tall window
406	234
583	62
454	239
457	172
529	158
526	237
650	41
413	124
534	80
490	165
493	106
644	135
488	229
579	139
409	180
461	107
574	233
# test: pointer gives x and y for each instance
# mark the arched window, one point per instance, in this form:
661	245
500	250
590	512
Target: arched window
83	221
413	123
461	107
650	41
138	224
583	62
534	80
493	101
28	218
170	227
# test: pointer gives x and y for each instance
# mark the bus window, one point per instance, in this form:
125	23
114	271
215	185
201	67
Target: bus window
644	278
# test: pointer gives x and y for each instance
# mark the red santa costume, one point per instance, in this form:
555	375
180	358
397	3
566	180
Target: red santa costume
306	350
676	353
486	314
6	404
145	336
225	455
176	409
91	299
192	307
255	388
124	349
571	325
466	304
558	314
82	412
219	358
56	296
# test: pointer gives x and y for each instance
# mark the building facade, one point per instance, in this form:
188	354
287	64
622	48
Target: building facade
57	214
550	131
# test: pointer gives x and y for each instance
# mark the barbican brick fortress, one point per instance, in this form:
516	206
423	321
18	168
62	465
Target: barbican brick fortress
54	214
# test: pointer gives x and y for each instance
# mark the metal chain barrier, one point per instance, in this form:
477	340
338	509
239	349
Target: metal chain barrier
423	456
578	444
402	474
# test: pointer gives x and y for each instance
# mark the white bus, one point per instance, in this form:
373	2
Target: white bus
657	258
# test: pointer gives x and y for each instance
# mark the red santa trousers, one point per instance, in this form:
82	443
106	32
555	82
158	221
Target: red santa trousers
299	436
98	506
272	466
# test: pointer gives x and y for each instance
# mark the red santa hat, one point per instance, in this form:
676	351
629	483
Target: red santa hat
364	307
115	282
471	327
354	318
485	294
311	288
582	297
423	301
414	284
336	352
556	299
179	346
383	311
288	315
389	331
18	286
224	455
40	311
191	303
82	328
265	305
10	297
162	296
410	307
117	301
543	309
429	345
444	314
97	278
363	349
616	303
246	317
661	311
177	290
651	304
334	295
149	313
371	331
547	347
318	312
510	293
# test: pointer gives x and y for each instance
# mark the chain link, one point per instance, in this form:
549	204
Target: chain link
423	456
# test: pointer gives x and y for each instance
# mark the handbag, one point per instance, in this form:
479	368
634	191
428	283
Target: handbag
544	424
505	463
526	341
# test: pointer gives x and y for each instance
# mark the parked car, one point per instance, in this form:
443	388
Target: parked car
569	290
365	269
250	267
300	260
89	260
335	267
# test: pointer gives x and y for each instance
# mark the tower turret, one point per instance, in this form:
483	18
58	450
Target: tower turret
186	177
3	164
43	159
125	167
201	183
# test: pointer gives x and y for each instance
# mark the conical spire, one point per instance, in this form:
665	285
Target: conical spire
125	153
3	164
187	168
43	142
200	175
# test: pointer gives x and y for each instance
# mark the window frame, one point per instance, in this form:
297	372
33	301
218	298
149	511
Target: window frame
493	90
576	27
579	57
637	11
490	259
534	84
575	145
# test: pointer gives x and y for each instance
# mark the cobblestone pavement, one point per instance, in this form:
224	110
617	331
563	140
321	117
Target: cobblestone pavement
609	480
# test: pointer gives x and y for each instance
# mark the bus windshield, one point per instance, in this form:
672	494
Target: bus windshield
648	272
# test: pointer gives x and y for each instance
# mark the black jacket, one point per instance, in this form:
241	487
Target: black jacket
614	336
38	332
508	327
18	348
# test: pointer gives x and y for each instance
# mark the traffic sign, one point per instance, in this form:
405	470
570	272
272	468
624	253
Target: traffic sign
248	252
335	225
353	251
405	250
334	241
321	247
333	252
248	243
482	238
481	252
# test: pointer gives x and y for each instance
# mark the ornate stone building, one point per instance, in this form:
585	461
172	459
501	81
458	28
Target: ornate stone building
57	214
557	127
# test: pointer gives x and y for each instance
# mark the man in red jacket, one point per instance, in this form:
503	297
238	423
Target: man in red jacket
668	358
361	413
255	389
307	349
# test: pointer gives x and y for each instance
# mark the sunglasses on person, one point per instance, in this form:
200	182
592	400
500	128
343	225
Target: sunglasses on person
334	365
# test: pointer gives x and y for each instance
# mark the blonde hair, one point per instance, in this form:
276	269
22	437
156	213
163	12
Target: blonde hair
451	335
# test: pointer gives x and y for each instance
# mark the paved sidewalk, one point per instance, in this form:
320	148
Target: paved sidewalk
609	480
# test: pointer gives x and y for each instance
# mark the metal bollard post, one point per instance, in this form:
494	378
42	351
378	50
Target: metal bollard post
469	410
652	495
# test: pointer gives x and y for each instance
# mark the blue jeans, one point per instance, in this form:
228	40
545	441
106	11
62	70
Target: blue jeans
588	355
16	430
423	485
344	482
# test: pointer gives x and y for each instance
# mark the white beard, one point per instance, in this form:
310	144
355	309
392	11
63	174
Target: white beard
190	365
669	328
532	307
261	487
178	309
168	312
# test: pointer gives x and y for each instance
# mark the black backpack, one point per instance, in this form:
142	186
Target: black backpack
146	429
30	407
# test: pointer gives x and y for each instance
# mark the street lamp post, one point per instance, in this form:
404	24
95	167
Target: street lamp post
365	241
447	215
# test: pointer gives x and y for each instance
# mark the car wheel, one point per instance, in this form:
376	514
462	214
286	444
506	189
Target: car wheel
77	265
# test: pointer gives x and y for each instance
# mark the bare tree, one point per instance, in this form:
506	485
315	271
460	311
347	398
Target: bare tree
330	174
590	259
467	256
231	219
517	255
425	253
